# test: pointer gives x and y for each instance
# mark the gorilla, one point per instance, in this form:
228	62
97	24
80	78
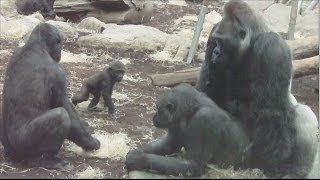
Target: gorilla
247	72
37	113
27	7
195	122
101	84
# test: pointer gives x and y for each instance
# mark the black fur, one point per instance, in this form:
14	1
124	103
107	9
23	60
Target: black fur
37	114
101	84
195	122
27	7
247	72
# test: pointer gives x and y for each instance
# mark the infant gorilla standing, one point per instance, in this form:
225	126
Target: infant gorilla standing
101	84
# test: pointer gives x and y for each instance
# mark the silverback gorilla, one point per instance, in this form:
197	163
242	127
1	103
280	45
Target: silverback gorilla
247	73
101	83
28	7
37	114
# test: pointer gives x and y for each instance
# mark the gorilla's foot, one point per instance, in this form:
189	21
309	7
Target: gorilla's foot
95	109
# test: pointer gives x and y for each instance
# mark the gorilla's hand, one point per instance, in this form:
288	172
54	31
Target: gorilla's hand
135	160
92	144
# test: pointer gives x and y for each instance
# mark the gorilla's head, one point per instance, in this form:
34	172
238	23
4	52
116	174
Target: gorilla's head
116	70
175	107
47	37
234	33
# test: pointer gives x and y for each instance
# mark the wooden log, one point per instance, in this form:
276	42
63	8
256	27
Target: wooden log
304	47
306	66
171	79
301	67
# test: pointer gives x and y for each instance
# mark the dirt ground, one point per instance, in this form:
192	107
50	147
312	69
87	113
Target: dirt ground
135	118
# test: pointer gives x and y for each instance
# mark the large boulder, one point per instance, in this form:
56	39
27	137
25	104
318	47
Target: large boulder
65	28
277	17
17	28
127	37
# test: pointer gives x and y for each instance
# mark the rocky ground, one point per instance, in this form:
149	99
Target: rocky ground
134	98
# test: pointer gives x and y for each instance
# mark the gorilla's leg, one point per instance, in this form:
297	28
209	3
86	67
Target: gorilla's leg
43	136
94	102
82	96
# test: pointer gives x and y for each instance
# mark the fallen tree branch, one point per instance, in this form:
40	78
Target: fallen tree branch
301	67
304	47
306	66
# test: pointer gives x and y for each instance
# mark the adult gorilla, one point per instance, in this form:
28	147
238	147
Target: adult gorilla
247	72
28	7
37	114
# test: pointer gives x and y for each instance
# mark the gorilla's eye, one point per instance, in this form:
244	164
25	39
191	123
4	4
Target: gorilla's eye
242	34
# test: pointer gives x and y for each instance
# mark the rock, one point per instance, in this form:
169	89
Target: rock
17	28
200	57
65	28
277	18
38	16
211	19
8	8
178	2
126	37
93	24
147	175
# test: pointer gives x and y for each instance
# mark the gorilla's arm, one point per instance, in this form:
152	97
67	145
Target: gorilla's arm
198	154
167	144
78	133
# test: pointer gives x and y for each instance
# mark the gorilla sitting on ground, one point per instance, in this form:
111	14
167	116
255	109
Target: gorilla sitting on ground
195	122
247	73
27	7
101	83
37	114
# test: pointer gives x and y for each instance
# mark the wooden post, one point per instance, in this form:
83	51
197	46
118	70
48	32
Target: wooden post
293	17
197	32
300	6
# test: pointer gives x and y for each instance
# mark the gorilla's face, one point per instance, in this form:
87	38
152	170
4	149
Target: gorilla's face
230	41
55	52
118	75
164	115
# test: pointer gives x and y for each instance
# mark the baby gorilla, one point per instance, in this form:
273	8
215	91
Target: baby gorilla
101	84
196	123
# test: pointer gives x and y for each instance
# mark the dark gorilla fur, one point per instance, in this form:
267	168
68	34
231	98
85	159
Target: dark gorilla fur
37	113
27	7
101	84
195	122
247	72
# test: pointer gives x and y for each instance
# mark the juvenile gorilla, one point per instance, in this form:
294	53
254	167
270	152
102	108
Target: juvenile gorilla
101	84
37	114
195	122
27	7
247	72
